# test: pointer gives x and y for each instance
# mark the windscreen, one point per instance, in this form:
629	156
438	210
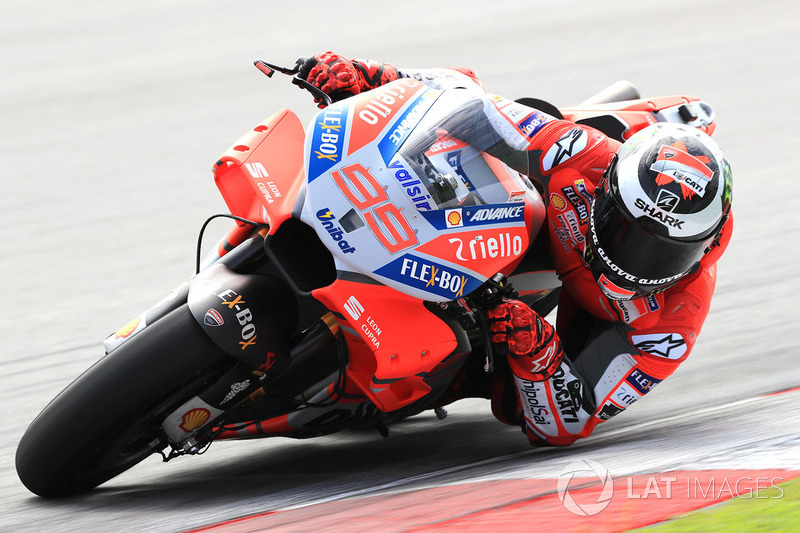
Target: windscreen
454	158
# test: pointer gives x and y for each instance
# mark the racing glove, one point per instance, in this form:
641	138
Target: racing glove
532	345
340	77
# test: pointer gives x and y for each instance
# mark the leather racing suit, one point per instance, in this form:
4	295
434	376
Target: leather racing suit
605	354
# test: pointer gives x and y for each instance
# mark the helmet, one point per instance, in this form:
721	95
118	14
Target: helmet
658	210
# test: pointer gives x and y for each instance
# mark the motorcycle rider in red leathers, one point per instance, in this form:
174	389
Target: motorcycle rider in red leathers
635	231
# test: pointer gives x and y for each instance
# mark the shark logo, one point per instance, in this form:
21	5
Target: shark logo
675	164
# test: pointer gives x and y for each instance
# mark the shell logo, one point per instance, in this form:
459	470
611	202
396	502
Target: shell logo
126	330
194	418
558	202
454	218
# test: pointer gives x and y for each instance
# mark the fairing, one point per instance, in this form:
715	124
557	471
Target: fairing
418	208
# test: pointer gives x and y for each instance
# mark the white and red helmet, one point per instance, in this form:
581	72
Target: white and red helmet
660	207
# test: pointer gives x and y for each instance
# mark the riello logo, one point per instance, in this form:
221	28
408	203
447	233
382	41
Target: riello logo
479	247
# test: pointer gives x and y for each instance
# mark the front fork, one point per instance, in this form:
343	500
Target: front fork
191	426
250	318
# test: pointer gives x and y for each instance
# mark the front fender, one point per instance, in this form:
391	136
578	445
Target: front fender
250	317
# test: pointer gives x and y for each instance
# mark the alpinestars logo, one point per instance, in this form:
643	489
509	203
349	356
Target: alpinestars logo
675	164
564	148
669	345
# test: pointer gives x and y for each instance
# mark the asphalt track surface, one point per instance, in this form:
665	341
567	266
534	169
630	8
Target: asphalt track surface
111	117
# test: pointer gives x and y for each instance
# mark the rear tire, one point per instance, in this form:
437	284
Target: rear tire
103	423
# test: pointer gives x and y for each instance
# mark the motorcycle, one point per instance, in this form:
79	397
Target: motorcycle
350	292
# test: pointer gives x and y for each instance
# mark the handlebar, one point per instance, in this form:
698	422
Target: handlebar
269	69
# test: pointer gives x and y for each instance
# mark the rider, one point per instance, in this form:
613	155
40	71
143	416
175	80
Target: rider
635	231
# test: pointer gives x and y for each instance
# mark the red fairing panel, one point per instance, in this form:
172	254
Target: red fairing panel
261	175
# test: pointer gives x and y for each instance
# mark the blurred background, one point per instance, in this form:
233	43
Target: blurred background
112	114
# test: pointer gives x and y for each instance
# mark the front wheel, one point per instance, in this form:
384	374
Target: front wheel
105	421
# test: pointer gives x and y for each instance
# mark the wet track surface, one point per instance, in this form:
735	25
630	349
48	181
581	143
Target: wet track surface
112	118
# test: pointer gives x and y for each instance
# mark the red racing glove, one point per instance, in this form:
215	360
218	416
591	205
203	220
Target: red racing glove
340	77
532	345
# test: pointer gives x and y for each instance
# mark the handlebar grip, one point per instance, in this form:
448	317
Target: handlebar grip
313	89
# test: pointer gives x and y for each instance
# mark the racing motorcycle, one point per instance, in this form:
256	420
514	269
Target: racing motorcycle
350	291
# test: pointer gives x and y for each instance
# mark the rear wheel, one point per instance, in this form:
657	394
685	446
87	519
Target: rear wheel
105	421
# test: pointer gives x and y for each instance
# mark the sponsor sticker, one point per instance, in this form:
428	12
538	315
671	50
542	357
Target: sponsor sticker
642	382
471	246
194	419
373	111
658	214
236	388
326	217
244	317
625	395
478	216
533	398
533	123
612	290
633	309
256	170
406	122
566	147
571	223
327	142
577	202
453	218
674	163
609	409
667	345
567	394
667	200
580	186
213	318
429	276
128	329
516	196
558	202
354	307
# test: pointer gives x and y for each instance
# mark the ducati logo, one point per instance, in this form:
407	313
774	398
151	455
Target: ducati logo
213	318
614	291
675	164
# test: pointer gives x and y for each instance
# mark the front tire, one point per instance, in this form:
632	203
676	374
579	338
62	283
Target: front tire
104	422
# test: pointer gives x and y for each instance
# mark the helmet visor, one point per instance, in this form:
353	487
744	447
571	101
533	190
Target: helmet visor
634	258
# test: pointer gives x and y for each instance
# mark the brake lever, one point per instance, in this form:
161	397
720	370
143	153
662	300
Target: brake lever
269	69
